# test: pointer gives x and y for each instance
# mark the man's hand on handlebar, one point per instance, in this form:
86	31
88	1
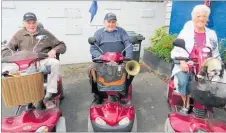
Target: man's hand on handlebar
52	53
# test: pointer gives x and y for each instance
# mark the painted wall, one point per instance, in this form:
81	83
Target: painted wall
70	21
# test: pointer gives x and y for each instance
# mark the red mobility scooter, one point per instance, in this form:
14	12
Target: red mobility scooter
30	118
116	113
200	117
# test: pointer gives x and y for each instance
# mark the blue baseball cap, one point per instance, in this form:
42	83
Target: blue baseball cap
110	16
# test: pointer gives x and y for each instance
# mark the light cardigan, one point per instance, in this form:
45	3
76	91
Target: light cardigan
187	33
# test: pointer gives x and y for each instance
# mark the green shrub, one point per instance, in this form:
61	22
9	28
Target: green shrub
158	35
163	47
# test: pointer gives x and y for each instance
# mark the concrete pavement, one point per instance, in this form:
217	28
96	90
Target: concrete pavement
148	98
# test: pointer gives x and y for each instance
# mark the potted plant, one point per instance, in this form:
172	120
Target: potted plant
158	55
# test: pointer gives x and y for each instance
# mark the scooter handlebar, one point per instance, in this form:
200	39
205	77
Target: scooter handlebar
127	59
181	58
177	60
97	60
42	55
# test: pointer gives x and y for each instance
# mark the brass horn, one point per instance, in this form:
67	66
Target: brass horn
132	67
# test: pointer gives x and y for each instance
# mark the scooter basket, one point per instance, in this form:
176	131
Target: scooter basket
110	79
20	90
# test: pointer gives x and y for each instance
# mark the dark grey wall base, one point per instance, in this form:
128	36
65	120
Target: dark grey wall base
157	64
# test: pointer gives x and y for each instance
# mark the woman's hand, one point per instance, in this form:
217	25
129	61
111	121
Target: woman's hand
184	66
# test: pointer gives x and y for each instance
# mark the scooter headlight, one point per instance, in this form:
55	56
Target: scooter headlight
124	121
42	129
100	121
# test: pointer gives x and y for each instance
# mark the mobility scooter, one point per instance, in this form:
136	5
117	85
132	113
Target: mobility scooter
200	117
31	118
116	112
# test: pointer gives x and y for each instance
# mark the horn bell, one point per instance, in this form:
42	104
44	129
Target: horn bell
132	67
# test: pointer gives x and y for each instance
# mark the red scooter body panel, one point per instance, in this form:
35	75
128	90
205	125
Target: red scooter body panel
173	97
112	113
190	123
24	64
31	120
112	56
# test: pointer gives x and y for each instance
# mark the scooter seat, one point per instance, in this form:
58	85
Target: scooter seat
31	120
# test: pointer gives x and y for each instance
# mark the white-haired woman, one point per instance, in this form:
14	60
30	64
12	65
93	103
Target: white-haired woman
196	34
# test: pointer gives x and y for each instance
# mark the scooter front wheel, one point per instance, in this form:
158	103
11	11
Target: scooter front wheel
168	127
61	125
90	126
134	128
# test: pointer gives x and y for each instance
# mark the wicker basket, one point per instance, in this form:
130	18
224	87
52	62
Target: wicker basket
22	89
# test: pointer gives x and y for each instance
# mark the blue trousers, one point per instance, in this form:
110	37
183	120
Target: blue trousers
183	81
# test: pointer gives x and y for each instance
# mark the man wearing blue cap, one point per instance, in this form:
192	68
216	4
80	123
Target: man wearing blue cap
25	39
111	38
